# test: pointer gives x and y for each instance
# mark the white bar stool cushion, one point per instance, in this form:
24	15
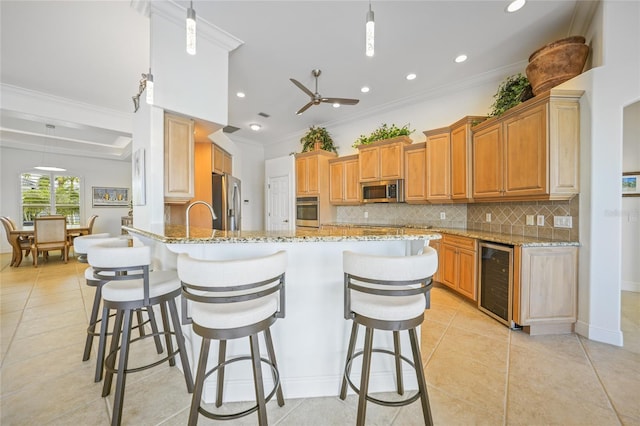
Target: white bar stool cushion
83	242
160	282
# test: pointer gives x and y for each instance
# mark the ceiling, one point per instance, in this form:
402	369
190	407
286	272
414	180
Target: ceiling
93	52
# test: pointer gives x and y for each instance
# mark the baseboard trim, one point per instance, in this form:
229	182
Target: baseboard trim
611	337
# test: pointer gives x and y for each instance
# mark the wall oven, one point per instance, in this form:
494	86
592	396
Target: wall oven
307	212
495	293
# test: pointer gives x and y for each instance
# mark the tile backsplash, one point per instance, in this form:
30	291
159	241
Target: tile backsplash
507	217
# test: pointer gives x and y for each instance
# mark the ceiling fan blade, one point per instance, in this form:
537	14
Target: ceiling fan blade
304	89
341	101
304	108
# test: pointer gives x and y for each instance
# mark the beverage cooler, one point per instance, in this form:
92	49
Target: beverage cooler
495	294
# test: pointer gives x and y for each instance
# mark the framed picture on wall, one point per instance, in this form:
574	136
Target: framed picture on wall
631	184
104	196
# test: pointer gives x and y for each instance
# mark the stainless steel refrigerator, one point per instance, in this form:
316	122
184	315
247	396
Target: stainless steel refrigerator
227	202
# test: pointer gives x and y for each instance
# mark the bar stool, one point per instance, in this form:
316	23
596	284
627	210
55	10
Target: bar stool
230	300
387	293
82	244
130	287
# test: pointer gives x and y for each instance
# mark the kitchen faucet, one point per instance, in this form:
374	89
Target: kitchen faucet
213	215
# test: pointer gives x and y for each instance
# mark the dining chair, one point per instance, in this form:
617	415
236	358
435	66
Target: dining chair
49	233
24	242
90	222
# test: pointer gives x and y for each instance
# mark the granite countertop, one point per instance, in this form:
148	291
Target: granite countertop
510	239
177	234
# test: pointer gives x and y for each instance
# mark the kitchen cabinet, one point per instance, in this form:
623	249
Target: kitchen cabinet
221	161
461	142
382	160
545	289
312	173
438	164
458	264
436	245
415	173
178	159
344	183
531	152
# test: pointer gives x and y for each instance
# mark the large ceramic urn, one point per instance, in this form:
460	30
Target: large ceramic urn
556	63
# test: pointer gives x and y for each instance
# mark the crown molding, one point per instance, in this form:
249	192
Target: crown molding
177	15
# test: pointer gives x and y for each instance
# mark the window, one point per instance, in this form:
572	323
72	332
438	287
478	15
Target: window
44	194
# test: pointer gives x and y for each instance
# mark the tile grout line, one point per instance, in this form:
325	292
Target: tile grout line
602	385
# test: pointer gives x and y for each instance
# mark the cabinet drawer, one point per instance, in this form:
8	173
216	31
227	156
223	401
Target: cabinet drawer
459	241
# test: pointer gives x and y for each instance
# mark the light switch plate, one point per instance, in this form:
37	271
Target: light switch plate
562	222
366	215
443	215
540	220
530	221
488	217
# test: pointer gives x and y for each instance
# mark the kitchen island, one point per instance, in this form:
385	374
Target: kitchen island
311	341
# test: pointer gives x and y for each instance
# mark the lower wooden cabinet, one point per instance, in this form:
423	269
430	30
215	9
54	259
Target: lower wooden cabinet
545	288
458	264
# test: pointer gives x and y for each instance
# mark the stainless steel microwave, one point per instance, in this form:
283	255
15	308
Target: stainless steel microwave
387	191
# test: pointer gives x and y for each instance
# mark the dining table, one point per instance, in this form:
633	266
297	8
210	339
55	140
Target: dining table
27	231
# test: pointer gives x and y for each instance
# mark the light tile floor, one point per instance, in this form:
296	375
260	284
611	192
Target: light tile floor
478	371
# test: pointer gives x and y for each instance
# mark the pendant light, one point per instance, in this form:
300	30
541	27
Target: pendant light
43	166
369	33
191	30
149	87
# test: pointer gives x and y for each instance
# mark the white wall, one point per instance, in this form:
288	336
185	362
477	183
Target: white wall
93	172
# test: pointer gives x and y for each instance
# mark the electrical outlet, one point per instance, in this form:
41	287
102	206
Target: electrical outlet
366	215
540	220
488	217
530	221
562	222
443	215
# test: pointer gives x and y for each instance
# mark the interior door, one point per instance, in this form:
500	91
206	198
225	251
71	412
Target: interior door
278	211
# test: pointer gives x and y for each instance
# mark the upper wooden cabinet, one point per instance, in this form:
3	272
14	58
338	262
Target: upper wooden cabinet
415	173
449	161
312	172
344	184
531	152
221	161
438	164
382	160
178	159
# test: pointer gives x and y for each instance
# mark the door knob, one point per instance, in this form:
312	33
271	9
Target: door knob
286	221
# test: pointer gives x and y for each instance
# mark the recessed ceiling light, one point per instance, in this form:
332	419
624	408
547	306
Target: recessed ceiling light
411	76
461	58
336	105
240	94
515	5
364	89
255	127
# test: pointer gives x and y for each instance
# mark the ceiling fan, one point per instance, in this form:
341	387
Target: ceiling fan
316	99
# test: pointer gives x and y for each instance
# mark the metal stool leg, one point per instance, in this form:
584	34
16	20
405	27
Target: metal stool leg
116	418
181	345
197	391
92	323
352	345
257	380
364	380
422	383
154	329
115	338
396	348
104	326
167	329
222	350
272	358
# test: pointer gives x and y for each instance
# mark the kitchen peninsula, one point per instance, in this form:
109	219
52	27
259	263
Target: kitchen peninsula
311	341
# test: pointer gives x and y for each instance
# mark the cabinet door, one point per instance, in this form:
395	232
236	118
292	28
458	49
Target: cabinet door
436	245
313	180
438	167
415	175
302	173
228	164
217	159
449	271
391	157
178	159
351	182
336	182
369	164
487	162
525	153
460	171
467	273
